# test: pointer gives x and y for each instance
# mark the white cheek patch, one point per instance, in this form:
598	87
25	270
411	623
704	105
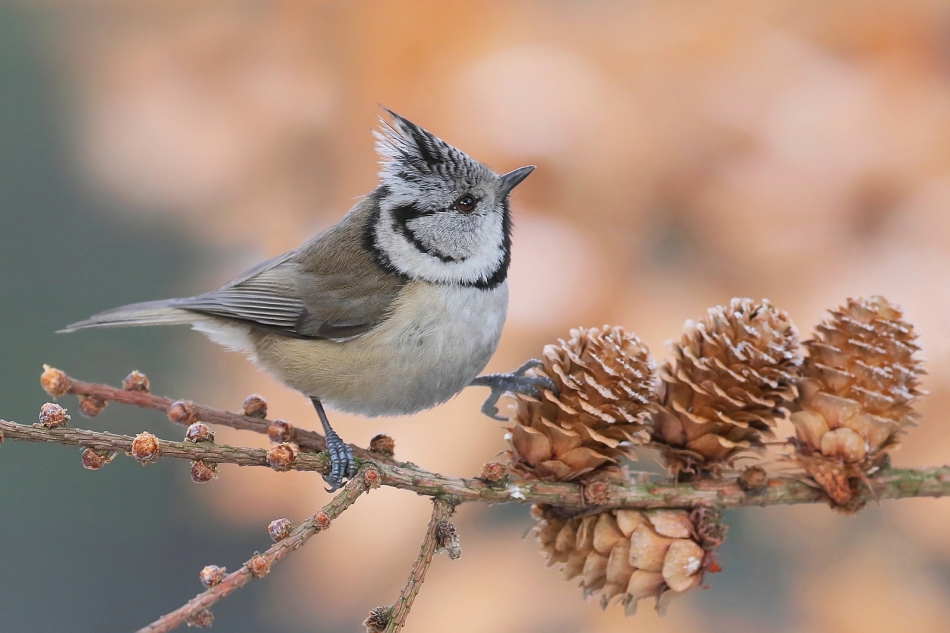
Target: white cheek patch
452	234
484	247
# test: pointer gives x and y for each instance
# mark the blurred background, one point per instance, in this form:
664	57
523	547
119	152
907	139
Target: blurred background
687	153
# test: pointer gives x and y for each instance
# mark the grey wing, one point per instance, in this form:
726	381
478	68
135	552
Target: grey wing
281	297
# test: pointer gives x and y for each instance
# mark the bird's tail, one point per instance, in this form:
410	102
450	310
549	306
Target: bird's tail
147	313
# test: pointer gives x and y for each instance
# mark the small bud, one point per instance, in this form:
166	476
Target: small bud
493	472
212	575
52	415
595	492
202	619
754	480
94	460
145	447
258	566
447	540
203	472
255	406
372	478
321	520
382	445
279	529
136	381
279	431
199	432
378	619
54	382
182	412
282	457
90	407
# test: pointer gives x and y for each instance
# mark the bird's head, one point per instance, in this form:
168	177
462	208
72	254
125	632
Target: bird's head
442	216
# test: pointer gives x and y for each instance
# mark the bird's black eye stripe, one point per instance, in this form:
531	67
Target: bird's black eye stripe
401	218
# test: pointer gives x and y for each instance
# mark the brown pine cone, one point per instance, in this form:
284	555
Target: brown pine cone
604	378
732	374
860	381
658	554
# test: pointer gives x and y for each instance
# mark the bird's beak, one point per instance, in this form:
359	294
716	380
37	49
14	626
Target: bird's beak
513	178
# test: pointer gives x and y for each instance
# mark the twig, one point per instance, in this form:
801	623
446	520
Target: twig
261	563
894	483
204	451
307	440
446	491
441	510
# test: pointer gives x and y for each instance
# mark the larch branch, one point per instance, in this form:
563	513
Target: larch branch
893	483
441	511
260	564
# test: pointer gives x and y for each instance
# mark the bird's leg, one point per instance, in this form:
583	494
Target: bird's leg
341	457
515	382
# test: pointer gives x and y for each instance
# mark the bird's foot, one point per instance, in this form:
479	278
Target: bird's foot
515	382
342	464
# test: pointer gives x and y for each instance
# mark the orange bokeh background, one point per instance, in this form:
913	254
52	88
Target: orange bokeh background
687	153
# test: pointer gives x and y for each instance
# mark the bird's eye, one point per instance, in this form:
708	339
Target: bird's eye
465	204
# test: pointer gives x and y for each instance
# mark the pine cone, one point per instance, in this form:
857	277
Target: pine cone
731	374
604	379
658	554
860	381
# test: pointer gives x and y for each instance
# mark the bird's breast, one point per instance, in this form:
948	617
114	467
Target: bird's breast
435	340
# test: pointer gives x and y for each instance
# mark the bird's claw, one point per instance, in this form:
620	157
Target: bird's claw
342	463
514	382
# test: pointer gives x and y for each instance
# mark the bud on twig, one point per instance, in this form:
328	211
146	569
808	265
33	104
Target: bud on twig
493	472
201	620
54	382
372	478
282	457
595	491
447	540
182	412
212	575
279	431
258	566
378	619
279	529
145	447
203	472
136	381
382	445
52	415
321	520
199	432
94	460
255	406
754	480
90	407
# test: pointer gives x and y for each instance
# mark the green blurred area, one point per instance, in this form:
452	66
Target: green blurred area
82	550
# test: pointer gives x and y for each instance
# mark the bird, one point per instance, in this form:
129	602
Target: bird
394	309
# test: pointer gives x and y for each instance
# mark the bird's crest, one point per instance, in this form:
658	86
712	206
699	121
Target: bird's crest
412	154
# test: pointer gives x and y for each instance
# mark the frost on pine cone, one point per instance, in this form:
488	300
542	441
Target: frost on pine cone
604	378
731	376
861	378
633	554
